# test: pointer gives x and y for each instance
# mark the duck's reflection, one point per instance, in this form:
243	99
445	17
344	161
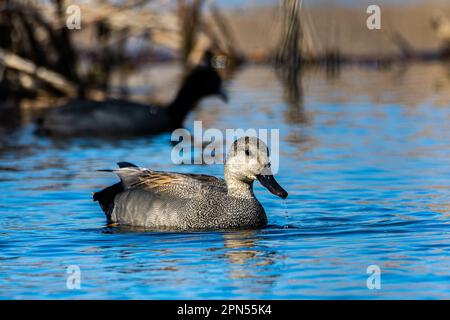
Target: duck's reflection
249	260
242	247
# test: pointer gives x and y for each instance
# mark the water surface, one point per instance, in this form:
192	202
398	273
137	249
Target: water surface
365	157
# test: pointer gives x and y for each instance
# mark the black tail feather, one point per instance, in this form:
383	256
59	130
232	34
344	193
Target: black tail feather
125	164
106	197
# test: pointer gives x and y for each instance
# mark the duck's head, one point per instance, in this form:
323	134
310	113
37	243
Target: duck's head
201	82
247	161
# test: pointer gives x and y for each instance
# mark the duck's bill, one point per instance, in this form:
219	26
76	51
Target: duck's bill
272	185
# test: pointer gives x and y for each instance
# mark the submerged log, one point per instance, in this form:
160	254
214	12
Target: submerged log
12	61
228	44
289	54
55	80
189	15
441	25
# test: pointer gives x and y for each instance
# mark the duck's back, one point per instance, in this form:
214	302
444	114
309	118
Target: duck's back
110	117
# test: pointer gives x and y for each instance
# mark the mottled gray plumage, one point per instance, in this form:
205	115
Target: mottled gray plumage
155	199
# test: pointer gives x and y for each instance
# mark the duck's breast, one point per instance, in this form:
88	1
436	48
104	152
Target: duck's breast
220	211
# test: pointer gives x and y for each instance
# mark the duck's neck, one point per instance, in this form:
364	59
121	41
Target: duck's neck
238	188
179	108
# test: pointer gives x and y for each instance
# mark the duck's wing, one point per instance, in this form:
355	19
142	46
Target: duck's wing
173	183
209	180
146	197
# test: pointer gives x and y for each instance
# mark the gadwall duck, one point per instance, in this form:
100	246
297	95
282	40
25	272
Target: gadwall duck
124	118
169	200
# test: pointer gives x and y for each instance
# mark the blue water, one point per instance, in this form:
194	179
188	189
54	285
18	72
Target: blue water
366	162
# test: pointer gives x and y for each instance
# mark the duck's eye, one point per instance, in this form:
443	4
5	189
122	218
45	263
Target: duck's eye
247	152
269	165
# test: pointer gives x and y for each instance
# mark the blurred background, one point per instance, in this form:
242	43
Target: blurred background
43	62
364	124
